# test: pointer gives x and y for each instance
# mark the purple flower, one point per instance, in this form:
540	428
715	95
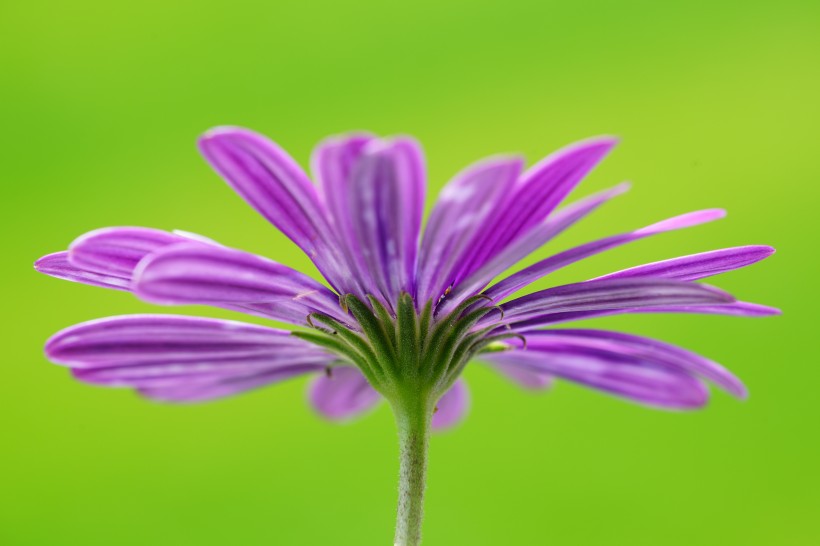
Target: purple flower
404	313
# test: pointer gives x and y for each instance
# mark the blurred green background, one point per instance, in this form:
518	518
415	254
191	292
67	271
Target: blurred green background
717	105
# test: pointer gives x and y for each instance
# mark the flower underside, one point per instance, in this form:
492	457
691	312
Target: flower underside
411	349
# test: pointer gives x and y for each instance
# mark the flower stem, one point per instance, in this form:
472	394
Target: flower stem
413	416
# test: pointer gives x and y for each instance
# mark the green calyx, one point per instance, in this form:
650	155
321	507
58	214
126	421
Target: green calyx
408	351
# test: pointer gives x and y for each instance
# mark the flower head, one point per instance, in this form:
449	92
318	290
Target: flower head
404	313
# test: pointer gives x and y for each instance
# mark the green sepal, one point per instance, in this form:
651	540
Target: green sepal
407	334
356	342
375	331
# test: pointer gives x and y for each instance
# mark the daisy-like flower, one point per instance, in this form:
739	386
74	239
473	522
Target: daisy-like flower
404	313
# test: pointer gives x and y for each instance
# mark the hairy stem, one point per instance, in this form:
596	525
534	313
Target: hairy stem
413	416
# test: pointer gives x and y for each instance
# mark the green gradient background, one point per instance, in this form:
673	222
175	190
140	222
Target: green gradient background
717	105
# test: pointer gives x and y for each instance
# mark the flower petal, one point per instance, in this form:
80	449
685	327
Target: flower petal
736	309
117	250
525	377
386	203
161	338
333	162
462	210
192	273
57	265
697	266
274	184
193	392
523	246
639	379
608	295
539	191
663	354
342	394
517	281
452	407
183	357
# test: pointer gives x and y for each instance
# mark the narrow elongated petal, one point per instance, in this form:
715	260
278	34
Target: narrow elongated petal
182	358
735	309
117	250
192	273
523	246
452	407
609	295
697	266
636	378
525	377
272	183
658	352
462	210
57	265
540	190
192	392
519	280
107	257
333	162
342	394
386	200
161	338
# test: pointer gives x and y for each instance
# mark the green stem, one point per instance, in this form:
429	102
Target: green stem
413	416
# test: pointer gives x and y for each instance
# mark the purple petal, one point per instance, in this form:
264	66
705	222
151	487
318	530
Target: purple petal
697	266
639	379
272	183
536	195
662	354
452	407
519	280
608	295
462	209
161	338
387	199
342	394
186	393
524	377
192	273
523	246
180	355
333	163
117	250
57	265
736	309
